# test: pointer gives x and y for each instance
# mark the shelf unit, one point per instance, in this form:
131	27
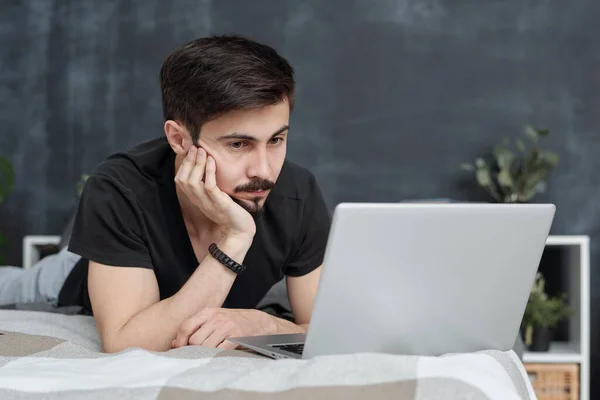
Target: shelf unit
31	247
571	256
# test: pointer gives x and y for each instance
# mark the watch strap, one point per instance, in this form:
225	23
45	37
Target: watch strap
225	259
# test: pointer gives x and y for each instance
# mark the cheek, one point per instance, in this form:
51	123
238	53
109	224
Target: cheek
276	161
226	176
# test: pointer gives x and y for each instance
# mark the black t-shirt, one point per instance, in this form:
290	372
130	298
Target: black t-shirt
129	216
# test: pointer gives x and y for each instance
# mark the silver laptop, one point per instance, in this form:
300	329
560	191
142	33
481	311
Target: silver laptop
420	279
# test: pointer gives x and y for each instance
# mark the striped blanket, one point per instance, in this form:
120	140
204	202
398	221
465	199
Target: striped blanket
53	356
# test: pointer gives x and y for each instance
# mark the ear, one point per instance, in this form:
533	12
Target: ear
178	136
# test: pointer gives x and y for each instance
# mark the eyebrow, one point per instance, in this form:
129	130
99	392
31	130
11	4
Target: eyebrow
245	136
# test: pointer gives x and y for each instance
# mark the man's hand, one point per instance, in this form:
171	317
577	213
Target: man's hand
212	327
197	179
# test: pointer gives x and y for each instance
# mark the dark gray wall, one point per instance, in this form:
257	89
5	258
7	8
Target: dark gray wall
392	95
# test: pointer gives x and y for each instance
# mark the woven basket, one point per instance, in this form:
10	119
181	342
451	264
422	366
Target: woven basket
554	381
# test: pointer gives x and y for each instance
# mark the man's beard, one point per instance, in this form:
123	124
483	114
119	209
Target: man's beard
253	206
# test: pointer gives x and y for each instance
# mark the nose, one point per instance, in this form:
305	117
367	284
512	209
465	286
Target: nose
259	165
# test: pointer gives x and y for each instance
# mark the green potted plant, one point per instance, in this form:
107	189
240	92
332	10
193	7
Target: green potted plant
7	181
516	174
542	314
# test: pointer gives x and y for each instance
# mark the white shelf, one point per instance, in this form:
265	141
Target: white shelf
31	253
560	352
575	272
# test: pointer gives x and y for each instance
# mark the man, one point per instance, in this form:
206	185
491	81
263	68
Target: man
39	285
168	226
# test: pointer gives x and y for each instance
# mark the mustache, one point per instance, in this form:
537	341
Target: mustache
255	185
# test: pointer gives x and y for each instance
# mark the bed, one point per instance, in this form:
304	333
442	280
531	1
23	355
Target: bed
56	356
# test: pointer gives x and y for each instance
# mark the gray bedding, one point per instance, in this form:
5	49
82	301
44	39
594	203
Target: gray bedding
54	356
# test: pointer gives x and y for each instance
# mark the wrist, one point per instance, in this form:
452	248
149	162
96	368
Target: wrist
236	237
272	325
238	230
236	241
235	246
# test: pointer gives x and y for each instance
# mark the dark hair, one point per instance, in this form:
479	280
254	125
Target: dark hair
211	76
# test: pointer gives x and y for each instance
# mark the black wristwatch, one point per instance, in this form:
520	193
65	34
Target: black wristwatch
225	260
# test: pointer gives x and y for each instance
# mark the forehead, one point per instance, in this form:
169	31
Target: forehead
260	123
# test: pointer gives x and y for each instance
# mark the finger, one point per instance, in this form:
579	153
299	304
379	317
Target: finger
227	345
210	180
198	169
181	340
216	338
185	169
201	334
189	327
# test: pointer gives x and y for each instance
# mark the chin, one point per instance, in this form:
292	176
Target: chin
254	206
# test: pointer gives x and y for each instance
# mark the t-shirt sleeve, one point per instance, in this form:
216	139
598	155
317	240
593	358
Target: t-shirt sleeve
314	231
108	228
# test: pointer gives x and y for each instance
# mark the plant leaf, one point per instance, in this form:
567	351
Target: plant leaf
520	145
504	158
483	176
541	187
532	133
467	167
551	158
543	310
505	179
534	179
542	132
527	195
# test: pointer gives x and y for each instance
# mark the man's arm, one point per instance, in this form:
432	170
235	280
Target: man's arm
302	272
212	326
302	291
126	300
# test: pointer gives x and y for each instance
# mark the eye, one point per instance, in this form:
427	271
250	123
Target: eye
237	145
276	140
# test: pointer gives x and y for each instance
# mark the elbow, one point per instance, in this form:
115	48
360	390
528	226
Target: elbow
117	343
113	345
111	349
114	340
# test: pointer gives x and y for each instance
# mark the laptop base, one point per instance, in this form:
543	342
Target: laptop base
274	346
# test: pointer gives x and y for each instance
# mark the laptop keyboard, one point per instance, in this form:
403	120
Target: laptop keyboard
296	348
